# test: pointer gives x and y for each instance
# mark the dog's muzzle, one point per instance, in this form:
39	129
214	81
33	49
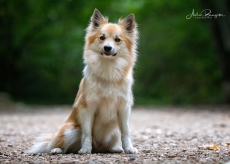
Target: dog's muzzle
108	51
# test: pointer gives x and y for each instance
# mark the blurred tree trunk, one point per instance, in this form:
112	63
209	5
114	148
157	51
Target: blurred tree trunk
220	28
9	55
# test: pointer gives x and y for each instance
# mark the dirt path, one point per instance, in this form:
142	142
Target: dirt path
162	135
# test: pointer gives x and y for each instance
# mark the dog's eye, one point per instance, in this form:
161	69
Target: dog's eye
117	40
102	38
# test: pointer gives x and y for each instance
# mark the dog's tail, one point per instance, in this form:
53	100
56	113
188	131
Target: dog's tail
42	144
67	138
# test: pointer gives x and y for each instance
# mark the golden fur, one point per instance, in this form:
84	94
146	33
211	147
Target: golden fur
99	121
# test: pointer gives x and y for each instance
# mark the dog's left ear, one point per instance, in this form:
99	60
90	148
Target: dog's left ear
128	23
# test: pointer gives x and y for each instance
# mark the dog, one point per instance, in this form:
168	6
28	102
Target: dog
99	121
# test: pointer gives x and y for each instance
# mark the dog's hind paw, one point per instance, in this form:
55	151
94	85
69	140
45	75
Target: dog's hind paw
56	151
84	151
117	149
131	150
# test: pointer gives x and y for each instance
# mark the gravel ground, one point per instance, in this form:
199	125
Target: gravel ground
161	134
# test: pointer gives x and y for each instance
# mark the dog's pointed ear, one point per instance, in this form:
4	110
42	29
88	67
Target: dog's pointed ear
128	23
97	18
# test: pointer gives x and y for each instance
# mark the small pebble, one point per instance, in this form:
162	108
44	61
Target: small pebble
131	159
155	159
14	152
184	159
161	159
146	151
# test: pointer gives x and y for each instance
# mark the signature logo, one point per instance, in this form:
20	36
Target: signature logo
205	14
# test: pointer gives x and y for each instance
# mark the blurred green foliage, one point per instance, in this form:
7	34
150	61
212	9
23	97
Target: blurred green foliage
42	45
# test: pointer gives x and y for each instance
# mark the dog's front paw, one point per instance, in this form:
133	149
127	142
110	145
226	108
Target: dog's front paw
56	151
85	151
131	150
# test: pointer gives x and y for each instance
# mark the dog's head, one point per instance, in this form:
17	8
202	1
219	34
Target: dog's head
109	39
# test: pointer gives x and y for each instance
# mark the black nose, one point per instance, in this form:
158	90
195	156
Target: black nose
107	48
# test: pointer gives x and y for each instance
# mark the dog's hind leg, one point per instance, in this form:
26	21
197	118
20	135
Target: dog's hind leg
114	144
67	139
56	151
72	140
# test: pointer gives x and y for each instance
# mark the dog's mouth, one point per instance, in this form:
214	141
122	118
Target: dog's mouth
108	54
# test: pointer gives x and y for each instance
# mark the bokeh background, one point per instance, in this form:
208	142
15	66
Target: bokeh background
181	61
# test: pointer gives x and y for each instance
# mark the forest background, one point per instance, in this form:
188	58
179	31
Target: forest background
180	61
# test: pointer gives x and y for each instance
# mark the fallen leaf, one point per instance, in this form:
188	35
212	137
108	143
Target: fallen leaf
209	147
214	147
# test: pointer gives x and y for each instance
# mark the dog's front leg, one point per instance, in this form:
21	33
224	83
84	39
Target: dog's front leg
123	117
86	121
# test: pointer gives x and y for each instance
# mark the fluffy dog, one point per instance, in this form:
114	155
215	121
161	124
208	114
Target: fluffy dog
99	121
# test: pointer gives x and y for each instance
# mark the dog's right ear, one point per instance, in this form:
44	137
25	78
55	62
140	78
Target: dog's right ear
97	19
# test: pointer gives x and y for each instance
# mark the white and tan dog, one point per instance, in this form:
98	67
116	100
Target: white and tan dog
99	121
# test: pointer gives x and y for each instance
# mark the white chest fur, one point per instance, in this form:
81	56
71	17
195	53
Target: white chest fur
107	96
